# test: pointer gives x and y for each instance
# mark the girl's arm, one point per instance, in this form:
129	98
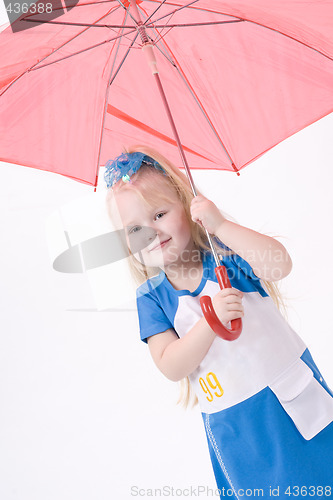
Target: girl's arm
177	357
267	256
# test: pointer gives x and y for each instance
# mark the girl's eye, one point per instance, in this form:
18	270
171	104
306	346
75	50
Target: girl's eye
134	229
159	214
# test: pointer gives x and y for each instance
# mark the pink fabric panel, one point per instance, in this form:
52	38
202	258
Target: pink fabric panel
51	117
256	85
309	22
23	49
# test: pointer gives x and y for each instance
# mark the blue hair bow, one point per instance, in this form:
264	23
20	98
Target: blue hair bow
125	165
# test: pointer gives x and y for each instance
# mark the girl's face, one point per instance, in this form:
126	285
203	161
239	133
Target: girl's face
161	228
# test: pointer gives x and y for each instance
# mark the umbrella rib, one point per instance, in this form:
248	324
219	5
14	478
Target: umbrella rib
103	26
196	24
148	26
249	21
64	23
189	6
33	68
67	23
151	24
197	101
153	27
83	50
149	17
117	50
171	60
123	60
110	81
158	7
291	37
161	37
127	10
42	21
241	19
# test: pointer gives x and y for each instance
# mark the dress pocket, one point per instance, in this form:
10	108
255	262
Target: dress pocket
304	399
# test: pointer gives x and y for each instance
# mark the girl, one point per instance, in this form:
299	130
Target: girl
266	409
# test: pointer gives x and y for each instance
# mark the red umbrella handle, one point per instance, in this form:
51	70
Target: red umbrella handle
210	314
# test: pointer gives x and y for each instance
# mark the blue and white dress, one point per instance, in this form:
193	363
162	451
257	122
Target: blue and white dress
266	409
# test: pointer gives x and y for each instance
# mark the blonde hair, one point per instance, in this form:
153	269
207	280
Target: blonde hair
180	184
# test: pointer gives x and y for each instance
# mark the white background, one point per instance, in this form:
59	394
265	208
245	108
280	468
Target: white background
84	412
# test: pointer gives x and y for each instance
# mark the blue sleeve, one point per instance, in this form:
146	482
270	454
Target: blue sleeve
244	266
236	259
241	274
220	243
152	319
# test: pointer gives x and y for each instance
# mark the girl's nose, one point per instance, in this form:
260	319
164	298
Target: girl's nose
138	240
151	234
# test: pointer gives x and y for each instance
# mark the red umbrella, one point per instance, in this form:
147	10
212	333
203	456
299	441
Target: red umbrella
240	76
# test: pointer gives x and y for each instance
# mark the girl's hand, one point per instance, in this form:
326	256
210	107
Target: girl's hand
205	213
228	304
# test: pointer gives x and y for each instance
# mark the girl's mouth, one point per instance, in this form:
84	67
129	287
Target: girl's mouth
161	245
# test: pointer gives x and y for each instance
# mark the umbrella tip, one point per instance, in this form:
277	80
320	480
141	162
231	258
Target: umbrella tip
235	168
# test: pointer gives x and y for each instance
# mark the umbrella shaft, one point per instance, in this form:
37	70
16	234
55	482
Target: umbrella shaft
152	62
140	26
151	59
175	132
182	154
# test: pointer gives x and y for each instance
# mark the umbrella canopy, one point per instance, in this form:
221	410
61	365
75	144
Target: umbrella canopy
240	76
